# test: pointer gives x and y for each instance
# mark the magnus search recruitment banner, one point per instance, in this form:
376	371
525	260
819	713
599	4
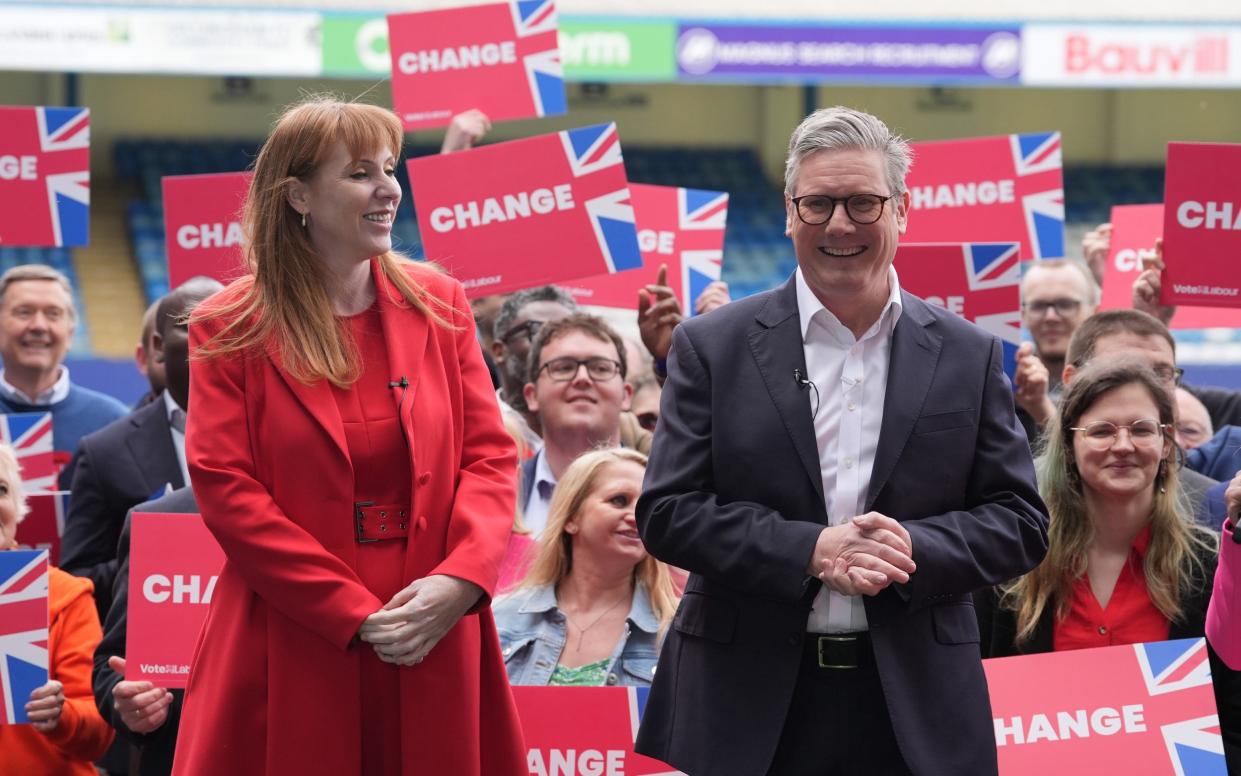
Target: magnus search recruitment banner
810	52
501	58
174	563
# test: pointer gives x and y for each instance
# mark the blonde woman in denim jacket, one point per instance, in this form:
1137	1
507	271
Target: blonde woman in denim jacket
594	606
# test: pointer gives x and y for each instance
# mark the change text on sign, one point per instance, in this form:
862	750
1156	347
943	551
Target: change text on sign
194	236
1065	725
509	207
459	58
572	762
15	167
651	241
962	194
1209	215
179	589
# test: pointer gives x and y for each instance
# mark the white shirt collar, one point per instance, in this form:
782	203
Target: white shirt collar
57	393
170	406
543	471
808	305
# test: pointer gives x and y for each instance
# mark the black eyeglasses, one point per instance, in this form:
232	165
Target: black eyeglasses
564	369
817	209
1063	307
529	329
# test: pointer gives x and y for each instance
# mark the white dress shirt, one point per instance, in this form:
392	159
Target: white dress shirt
57	393
178	435
850	377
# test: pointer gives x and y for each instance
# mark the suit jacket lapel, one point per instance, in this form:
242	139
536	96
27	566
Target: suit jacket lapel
911	365
777	347
151	446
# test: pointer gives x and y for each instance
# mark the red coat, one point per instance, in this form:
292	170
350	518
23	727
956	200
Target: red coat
274	687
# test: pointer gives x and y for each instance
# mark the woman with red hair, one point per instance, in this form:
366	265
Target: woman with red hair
347	452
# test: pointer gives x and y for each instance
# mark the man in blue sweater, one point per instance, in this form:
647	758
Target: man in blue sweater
37	319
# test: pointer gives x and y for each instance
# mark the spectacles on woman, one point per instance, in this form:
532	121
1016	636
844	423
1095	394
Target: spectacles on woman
1102	434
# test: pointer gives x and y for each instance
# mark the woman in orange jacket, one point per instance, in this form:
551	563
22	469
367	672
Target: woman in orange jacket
65	733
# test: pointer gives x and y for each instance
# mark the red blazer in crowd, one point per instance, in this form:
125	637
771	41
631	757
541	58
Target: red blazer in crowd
275	686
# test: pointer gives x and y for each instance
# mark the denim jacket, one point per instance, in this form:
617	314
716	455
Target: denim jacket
533	631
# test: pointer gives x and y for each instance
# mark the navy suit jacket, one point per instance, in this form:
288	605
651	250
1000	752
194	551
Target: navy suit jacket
158	746
734	495
1220	456
116	468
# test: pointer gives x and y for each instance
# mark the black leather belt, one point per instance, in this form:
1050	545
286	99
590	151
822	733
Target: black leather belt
376	523
834	651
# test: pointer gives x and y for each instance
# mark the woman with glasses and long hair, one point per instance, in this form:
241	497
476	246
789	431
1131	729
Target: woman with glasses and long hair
1126	562
594	606
347	453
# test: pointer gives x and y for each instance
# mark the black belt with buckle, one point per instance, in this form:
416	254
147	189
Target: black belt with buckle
839	650
376	523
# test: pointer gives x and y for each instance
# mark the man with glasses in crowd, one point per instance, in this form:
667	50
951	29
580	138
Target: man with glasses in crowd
515	327
577	390
1056	296
839	467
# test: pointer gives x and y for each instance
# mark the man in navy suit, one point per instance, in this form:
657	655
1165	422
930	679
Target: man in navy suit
132	459
839	466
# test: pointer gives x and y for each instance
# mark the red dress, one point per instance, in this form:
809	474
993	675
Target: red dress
380	457
279	684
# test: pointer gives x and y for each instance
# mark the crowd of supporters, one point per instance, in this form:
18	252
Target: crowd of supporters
1139	472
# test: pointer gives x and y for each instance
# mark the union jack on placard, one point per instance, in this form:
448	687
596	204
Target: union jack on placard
1037	162
702	216
30	436
47	200
997	266
1195	747
68	190
540	54
23	629
531	17
992	265
590	150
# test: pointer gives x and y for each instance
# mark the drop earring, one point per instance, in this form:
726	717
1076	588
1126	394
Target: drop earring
1162	476
303	220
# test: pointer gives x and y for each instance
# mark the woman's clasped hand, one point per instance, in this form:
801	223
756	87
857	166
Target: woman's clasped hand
412	623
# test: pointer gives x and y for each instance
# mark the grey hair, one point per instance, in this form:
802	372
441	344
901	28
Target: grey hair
24	272
11	470
838	128
1093	292
516	301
